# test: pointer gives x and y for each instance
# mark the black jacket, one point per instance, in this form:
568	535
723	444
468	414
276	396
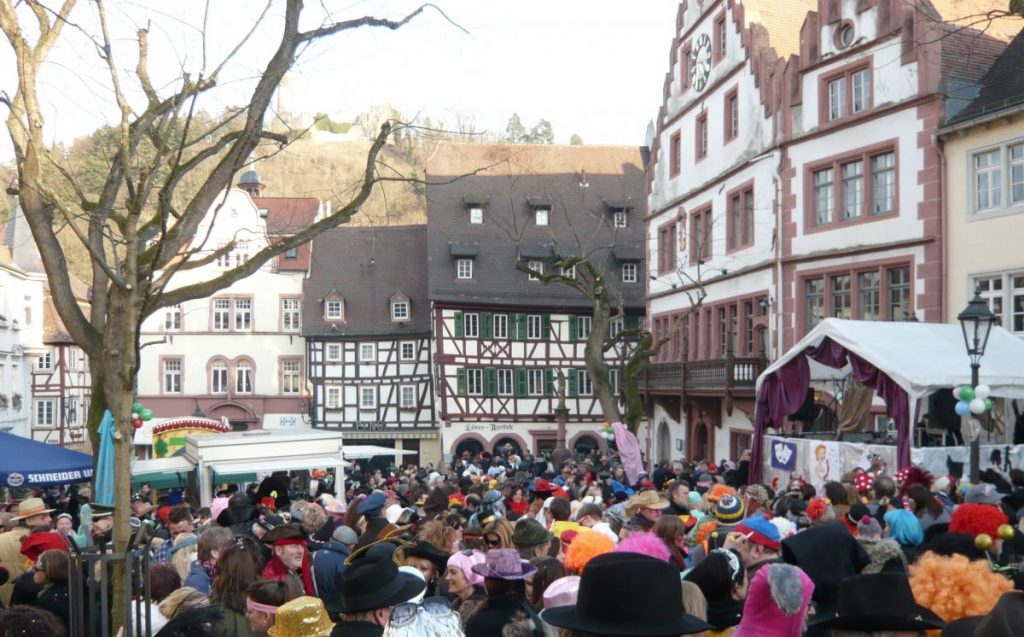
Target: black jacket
328	565
357	629
489	621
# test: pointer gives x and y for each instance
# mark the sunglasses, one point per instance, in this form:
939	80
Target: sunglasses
493	541
405	614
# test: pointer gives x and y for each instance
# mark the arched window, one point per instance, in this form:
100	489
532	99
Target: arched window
243	377
219	376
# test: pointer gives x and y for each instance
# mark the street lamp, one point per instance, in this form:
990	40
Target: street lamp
976	321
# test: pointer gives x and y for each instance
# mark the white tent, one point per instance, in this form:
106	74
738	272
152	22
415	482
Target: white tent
355	452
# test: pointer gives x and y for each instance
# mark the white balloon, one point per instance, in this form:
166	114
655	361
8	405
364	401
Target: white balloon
982	391
977	406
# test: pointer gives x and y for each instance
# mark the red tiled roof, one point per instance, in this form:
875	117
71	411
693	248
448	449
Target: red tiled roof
286	216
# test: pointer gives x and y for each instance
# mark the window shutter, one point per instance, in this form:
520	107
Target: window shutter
549	382
545	327
518	327
574	332
520	381
631	322
460	381
459	325
572	383
490	381
486	325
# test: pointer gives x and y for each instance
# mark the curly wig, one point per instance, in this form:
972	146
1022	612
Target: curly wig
975	519
647	544
719	491
955	587
705	527
586	545
819	508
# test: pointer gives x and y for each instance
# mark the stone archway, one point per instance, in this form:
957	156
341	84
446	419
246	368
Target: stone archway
664	451
700	442
474	443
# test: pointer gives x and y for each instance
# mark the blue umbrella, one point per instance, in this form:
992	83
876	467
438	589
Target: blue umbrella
28	463
104	492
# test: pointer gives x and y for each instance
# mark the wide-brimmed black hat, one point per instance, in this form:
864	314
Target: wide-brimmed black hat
1004	620
615	599
877	602
375	582
424	550
828	554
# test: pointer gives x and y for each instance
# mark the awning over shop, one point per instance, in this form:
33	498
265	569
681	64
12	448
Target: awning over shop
29	463
232	470
162	473
354	452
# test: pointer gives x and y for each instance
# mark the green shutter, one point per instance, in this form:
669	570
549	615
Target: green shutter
460	381
631	322
574	331
545	327
518	326
549	382
486	325
520	381
490	381
573	386
459	325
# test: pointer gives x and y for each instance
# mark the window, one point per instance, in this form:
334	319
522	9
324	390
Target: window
534	326
739	441
748	328
367	353
407	397
844	38
475	382
221	315
333	310
400	311
823	192
700	236
471	325
536	270
619	219
291	254
569	272
45	362
847	92
852	188
541	215
505	382
476	215
290	315
615	379
720	45
243	377
583	325
535	382
464	268
408	351
740	225
899	294
998	171
724	330
333	352
243	315
866	187
334	397
1004	291
629	271
72	412
367	397
732	115
702	136
861	90
883	183
836	98
870	287
291	375
674	157
45	411
814	292
667	248
842	305
219	377
583	384
860	295
172	318
172	376
501	326
615	326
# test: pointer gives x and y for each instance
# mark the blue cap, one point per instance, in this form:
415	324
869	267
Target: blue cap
372	504
761	531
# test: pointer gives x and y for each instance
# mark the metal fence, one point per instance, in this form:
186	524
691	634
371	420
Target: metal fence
91	594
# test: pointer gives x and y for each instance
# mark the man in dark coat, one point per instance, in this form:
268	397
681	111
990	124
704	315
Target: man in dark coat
370	587
329	566
370	508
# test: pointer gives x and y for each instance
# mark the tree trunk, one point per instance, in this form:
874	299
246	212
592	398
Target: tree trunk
594	359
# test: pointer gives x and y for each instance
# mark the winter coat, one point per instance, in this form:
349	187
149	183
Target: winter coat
235	624
12	559
328	565
489	621
55	599
198	578
357	629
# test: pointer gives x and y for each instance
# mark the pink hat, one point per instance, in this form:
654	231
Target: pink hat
337	507
562	592
776	602
217	506
465	561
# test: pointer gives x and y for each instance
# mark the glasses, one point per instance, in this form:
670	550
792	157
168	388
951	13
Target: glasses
493	541
405	614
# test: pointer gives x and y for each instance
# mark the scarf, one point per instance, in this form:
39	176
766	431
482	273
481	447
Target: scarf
277	570
209	567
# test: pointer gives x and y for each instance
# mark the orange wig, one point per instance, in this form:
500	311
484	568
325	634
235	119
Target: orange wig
954	587
586	545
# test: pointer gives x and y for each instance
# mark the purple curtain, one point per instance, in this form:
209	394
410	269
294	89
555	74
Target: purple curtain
784	391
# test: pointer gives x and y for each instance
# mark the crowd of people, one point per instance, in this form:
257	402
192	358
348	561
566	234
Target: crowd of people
508	546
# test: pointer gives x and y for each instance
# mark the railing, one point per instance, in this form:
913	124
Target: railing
91	599
721	374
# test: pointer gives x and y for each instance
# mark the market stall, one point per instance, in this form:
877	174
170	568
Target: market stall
28	463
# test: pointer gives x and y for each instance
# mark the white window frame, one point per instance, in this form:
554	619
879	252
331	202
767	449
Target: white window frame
332	397
411	345
534	327
294	375
1007	302
407	397
1002	175
583	327
584	384
245	379
334	310
171	379
219	375
629	272
222	314
474	381
536	270
505	381
367	398
471	325
569	272
836	90
291	316
615	326
500	326
860	86
400	311
172	318
464	269
476	215
542	216
534	381
243	310
45	362
367	352
46	413
329	348
620	219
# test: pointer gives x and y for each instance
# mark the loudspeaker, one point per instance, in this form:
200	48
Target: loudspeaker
941	413
808	410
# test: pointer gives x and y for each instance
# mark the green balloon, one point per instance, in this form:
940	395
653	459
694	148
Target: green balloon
988	404
967	393
146	414
137	407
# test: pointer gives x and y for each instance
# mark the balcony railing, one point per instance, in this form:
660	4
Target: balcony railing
716	374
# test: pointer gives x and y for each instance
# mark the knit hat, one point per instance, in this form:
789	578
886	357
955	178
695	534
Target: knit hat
729	509
776	602
868	527
760	531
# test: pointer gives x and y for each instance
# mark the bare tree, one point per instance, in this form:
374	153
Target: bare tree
139	227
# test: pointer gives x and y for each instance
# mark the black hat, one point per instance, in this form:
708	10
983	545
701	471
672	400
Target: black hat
427	551
1004	620
285	533
376	582
877	602
101	510
828	554
615	599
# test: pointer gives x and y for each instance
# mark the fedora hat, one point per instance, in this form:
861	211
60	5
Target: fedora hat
375	582
31	506
614	598
877	602
529	532
301	617
504	564
1004	620
645	500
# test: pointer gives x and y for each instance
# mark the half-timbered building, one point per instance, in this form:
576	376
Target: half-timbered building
366	323
507	347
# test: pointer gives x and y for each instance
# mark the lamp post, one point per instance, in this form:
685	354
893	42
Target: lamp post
976	321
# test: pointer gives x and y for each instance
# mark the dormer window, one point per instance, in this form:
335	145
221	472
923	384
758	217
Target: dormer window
542	215
334	307
619	219
536	269
399	308
464	269
476	215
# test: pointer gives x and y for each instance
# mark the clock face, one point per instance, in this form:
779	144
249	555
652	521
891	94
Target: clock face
700	62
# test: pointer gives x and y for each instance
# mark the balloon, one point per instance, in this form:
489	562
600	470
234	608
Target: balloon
137	407
135	415
146	414
988	404
966	393
1005	532
962	408
956	393
982	391
983	541
137	424
977	406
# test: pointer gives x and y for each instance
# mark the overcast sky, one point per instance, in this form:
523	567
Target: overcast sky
591	67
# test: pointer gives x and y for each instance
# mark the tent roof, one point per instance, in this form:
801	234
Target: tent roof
920	357
29	463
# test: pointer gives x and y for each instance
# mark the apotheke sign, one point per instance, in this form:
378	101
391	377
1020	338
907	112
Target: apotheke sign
487	427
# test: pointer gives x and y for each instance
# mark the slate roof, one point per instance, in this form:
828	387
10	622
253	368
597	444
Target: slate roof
367	266
286	216
1002	87
19	241
510	180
